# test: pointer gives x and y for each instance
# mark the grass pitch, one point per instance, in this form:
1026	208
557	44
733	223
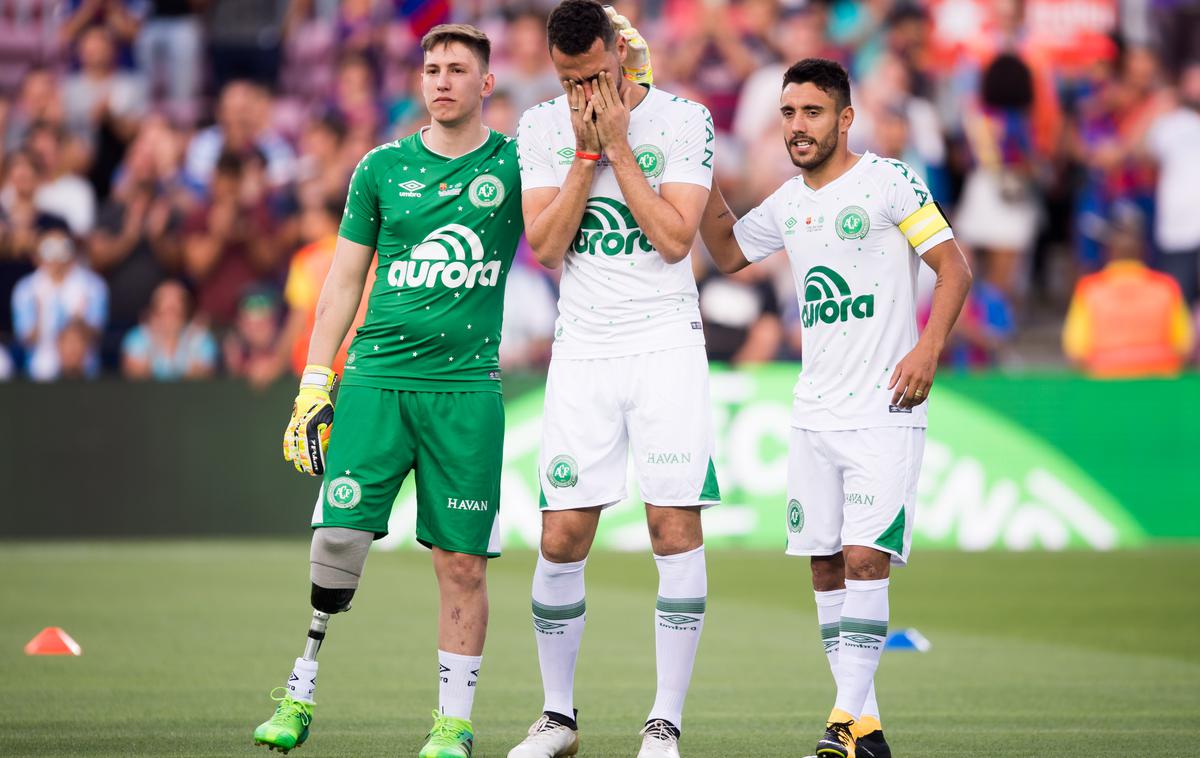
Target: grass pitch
1033	654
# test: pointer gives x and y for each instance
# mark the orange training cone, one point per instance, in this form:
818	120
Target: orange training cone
53	641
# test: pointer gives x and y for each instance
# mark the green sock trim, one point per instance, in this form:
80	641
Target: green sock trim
681	604
559	612
830	631
864	626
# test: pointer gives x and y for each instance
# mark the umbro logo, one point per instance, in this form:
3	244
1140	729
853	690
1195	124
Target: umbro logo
412	188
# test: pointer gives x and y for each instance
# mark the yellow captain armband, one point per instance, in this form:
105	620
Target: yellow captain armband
926	222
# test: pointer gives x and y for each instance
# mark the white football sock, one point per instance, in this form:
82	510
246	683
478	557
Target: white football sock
457	675
559	614
829	617
302	684
863	631
678	621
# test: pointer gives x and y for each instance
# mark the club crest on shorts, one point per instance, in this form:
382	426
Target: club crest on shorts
562	471
795	516
343	492
852	223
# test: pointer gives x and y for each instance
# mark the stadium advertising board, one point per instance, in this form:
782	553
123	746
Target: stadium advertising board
987	482
1036	460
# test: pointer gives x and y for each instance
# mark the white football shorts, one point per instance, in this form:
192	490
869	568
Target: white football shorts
854	487
597	409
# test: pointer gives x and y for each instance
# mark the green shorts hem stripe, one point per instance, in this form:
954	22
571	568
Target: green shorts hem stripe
892	538
681	604
710	492
559	612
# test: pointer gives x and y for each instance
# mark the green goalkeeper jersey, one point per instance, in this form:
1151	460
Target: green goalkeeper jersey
446	230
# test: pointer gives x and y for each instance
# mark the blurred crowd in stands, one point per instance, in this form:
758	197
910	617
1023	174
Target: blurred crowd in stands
174	170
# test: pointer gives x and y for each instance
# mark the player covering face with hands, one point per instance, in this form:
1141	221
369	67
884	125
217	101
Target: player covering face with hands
441	208
855	228
614	179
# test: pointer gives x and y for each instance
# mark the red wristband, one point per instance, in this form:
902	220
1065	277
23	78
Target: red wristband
587	156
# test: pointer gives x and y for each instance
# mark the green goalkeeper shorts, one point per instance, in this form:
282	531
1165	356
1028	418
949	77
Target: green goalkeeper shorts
452	441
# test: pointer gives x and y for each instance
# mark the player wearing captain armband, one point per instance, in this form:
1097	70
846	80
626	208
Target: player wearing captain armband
614	178
856	229
439	214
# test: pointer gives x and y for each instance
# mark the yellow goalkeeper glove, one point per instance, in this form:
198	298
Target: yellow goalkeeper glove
307	434
636	66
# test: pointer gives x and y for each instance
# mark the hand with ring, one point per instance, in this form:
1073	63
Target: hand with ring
587	139
612	113
913	376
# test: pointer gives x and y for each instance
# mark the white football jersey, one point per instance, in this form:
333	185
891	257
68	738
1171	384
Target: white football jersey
618	296
854	247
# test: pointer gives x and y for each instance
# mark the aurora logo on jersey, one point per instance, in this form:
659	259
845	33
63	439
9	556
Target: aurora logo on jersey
609	227
827	299
442	257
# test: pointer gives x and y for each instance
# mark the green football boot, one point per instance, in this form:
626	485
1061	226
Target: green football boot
288	728
449	738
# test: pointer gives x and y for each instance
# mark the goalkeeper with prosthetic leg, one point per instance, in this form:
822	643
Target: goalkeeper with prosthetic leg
422	387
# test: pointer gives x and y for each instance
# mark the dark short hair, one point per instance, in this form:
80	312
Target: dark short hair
465	34
826	75
575	25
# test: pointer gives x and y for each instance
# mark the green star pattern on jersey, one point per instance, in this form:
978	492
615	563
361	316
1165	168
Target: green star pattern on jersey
446	230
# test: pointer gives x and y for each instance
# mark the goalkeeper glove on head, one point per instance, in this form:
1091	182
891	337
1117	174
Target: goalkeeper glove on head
307	434
636	66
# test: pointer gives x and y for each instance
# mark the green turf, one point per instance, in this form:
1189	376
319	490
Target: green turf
1034	655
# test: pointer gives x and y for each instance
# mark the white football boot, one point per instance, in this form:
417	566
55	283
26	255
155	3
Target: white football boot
548	739
660	739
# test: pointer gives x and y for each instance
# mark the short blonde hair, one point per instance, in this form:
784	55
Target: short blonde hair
474	39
